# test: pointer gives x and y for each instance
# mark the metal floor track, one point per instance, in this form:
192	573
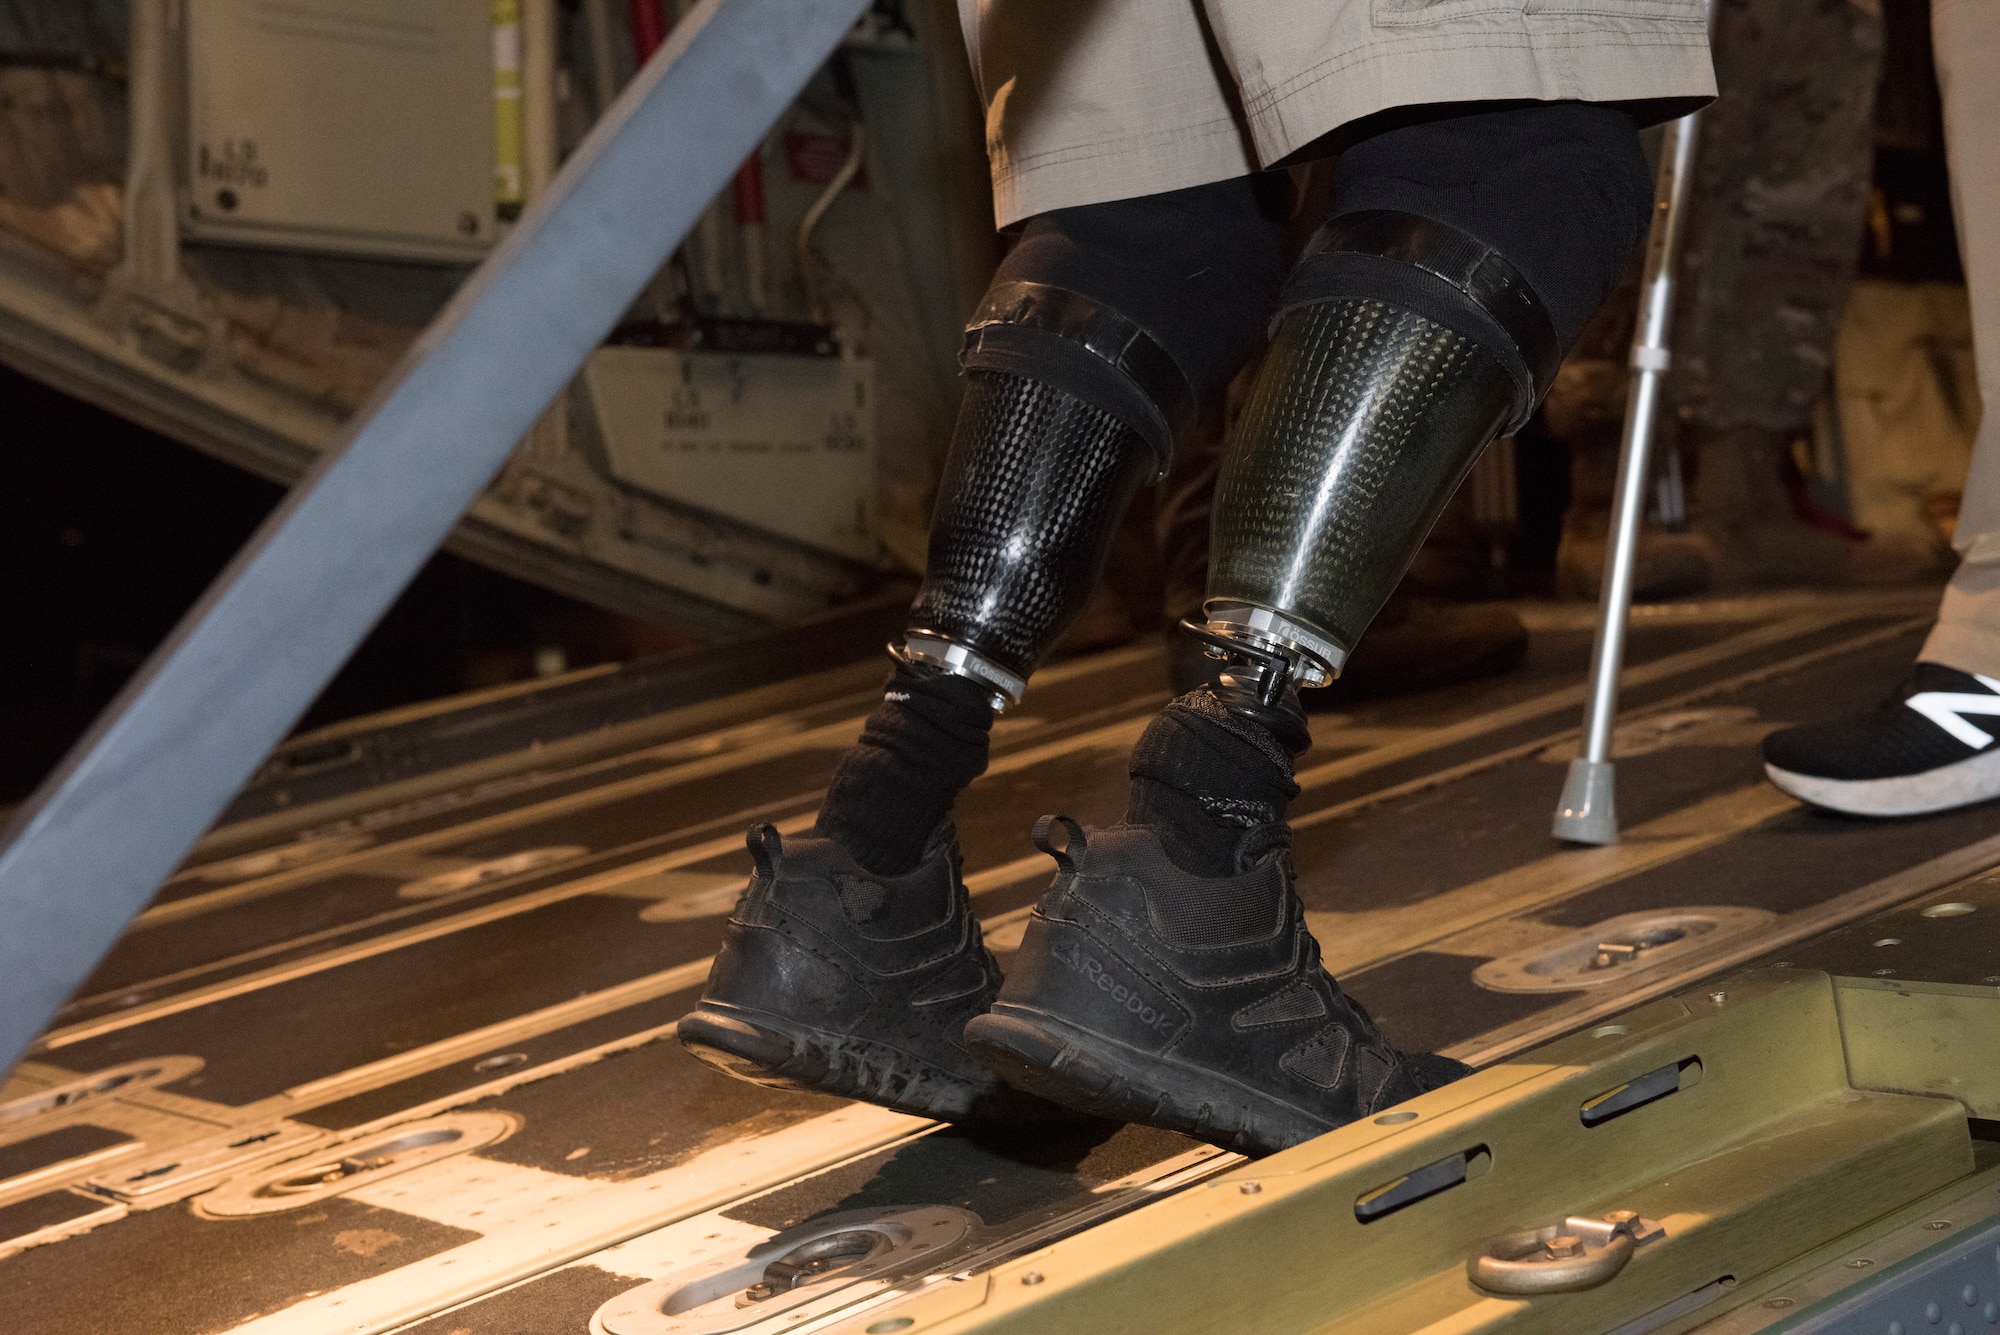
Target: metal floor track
394	1060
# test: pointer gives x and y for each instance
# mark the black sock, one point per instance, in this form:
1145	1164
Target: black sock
1205	780
922	745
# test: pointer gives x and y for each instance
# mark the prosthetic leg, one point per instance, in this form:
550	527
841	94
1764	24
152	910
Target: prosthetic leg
1168	976
1037	479
1406	347
853	961
1105	332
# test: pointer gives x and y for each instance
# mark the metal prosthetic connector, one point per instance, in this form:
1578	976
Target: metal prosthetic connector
926	650
1259	678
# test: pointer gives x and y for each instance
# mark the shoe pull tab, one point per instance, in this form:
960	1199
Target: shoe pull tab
765	849
1071	847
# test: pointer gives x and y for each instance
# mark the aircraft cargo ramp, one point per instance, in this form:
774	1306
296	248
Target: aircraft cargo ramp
398	1055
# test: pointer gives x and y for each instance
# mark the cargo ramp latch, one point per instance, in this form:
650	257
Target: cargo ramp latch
1579	1253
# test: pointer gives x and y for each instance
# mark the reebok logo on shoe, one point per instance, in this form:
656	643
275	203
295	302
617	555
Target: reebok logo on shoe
1122	994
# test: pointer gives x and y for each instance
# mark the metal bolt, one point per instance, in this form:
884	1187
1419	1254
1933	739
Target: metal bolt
1718	997
1779	1304
1621	1216
1032	1277
1249	1188
1565	1245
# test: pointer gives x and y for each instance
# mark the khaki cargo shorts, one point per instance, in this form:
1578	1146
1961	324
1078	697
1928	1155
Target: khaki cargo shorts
1094	100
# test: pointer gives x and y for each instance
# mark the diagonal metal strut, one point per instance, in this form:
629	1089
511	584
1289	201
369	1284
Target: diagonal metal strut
160	764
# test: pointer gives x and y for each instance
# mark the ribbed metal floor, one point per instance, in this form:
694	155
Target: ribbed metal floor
327	984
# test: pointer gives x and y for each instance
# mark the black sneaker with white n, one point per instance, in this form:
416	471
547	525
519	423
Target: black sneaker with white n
1931	746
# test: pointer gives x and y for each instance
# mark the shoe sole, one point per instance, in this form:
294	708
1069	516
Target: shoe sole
1105	1078
778	1053
1974	779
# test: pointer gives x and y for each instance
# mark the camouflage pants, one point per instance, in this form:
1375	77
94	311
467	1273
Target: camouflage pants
1779	205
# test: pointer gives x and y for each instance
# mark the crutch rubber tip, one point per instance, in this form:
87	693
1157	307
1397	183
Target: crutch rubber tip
1588	811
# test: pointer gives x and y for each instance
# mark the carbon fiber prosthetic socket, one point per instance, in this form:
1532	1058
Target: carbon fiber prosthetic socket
1364	420
1032	491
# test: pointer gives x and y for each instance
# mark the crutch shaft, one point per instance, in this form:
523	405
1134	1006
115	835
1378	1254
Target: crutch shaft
1587	812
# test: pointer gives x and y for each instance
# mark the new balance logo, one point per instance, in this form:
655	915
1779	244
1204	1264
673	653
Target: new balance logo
1106	981
1947	709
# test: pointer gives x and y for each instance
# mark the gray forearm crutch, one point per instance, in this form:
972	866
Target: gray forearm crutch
1588	811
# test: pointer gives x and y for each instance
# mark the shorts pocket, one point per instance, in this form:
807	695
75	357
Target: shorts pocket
1416	13
1695	11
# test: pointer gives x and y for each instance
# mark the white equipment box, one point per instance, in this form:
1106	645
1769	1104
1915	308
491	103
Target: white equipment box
349	126
783	442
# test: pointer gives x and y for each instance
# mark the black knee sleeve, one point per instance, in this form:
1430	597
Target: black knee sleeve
1407	341
1561	189
1104	333
1196	270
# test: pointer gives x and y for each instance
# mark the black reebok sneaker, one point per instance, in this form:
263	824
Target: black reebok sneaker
1194	1003
1928	747
833	979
